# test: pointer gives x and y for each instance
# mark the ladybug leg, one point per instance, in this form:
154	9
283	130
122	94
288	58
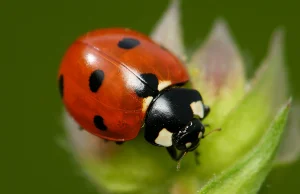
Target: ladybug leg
206	110
119	142
173	153
197	154
206	125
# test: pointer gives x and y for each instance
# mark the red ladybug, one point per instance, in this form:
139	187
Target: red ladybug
114	81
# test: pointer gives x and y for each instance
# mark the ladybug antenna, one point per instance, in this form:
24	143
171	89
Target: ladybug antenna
218	129
178	164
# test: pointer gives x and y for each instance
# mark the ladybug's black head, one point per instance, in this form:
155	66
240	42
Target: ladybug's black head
188	139
174	118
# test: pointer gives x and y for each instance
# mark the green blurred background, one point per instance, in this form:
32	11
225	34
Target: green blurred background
36	35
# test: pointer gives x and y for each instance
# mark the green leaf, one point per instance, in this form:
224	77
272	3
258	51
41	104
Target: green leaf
247	175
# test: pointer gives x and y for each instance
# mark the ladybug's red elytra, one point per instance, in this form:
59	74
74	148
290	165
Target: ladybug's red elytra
114	81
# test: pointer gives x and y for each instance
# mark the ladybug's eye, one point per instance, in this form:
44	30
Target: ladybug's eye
188	139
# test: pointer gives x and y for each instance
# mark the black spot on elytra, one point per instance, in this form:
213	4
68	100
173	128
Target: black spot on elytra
149	86
98	122
151	80
96	80
61	85
128	43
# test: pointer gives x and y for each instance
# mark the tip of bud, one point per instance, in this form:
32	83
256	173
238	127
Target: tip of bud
221	31
168	30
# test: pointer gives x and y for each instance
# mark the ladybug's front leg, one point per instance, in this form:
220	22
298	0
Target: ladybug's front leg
173	153
116	142
196	152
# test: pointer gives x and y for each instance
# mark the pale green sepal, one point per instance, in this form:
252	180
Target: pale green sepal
289	150
217	72
167	31
246	123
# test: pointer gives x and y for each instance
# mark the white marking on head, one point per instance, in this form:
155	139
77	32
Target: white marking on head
146	102
197	108
200	135
163	84
164	138
188	144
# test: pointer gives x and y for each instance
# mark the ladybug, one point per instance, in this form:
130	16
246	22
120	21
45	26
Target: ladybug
115	82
